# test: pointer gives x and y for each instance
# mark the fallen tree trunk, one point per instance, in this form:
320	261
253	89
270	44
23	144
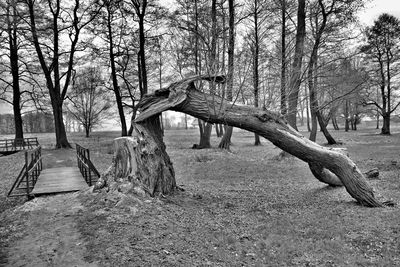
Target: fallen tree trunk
327	164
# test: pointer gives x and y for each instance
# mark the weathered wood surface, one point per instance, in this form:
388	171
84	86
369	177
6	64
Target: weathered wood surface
57	180
140	161
328	164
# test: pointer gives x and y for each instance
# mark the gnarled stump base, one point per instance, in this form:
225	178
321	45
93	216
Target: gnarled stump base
140	164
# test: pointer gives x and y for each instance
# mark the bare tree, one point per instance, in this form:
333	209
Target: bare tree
52	55
383	49
112	32
89	99
12	22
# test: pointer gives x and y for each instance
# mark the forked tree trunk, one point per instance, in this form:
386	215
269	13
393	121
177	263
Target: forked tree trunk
61	134
322	125
140	162
205	135
226	139
329	163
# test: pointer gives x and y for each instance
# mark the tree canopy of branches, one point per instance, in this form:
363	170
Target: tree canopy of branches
89	99
50	21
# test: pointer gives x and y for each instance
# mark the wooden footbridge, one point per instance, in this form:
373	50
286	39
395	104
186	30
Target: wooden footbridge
33	180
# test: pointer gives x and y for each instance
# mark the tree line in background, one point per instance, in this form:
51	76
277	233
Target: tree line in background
309	60
34	122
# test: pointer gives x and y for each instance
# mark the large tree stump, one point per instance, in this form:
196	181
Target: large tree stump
140	163
327	164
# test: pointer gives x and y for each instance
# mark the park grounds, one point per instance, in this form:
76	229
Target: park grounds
243	207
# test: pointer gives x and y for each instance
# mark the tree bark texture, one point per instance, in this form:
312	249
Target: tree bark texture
256	52
116	88
226	139
184	97
386	124
141	162
313	78
322	125
283	58
295	78
14	65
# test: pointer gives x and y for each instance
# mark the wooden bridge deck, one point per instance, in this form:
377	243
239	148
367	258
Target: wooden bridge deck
57	180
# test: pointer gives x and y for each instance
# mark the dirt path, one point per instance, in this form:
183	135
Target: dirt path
50	236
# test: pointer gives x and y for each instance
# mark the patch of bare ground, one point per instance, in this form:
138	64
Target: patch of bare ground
239	208
47	233
20	224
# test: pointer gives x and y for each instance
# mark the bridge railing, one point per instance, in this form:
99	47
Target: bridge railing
85	165
17	144
29	174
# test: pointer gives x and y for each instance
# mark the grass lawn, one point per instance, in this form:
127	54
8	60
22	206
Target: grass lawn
239	208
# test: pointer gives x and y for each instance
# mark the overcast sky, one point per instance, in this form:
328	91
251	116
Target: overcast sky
377	7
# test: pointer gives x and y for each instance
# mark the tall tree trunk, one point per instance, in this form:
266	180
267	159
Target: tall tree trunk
226	139
313	101
307	108
205	139
347	116
140	8
52	71
204	128
256	48
116	88
322	125
14	62
386	108
283	58
313	78
327	161
295	79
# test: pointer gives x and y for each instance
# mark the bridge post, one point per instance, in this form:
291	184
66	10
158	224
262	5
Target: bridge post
90	173
27	174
